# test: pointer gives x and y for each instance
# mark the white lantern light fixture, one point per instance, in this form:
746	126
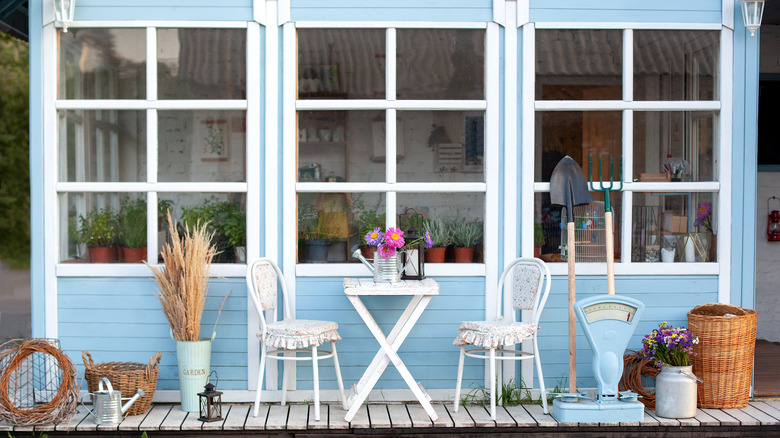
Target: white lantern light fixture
63	13
752	10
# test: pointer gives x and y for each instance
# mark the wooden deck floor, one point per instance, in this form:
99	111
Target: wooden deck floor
759	418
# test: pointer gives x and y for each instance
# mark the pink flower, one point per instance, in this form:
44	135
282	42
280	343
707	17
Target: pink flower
704	210
394	237
386	251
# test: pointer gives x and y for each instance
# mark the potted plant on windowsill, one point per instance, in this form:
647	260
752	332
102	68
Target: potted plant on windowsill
132	223
539	239
464	236
234	228
364	221
314	241
440	239
96	230
217	214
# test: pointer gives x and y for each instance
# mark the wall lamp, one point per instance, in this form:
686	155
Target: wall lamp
752	10
63	13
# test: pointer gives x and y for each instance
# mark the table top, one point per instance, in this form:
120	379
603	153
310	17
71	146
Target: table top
366	286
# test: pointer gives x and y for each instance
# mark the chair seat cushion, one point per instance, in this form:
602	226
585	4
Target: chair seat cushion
299	333
491	334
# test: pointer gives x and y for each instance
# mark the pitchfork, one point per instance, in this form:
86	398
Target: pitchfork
606	188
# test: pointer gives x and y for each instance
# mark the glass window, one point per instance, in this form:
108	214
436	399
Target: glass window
99	63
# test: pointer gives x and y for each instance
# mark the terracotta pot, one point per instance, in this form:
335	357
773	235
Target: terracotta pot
367	252
121	253
537	251
99	255
464	255
435	255
135	255
113	253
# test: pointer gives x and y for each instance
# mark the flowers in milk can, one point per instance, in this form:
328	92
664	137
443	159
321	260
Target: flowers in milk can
669	345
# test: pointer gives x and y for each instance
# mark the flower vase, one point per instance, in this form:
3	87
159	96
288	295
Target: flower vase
386	269
675	392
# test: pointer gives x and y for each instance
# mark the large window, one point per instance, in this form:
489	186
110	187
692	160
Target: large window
650	98
150	121
401	113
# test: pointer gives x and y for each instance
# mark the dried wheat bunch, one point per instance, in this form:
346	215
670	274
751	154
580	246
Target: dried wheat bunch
183	282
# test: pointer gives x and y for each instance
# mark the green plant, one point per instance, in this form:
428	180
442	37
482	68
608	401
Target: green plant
132	222
234	225
464	234
538	234
96	229
440	232
509	394
309	226
366	219
163	205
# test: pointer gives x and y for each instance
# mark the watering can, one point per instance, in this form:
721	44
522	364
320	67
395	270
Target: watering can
108	404
385	270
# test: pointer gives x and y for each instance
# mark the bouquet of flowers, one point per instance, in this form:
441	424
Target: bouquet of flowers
704	216
669	345
392	240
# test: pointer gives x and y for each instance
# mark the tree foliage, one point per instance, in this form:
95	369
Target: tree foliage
14	152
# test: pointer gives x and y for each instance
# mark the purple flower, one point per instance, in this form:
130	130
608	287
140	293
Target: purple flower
386	251
704	210
428	240
374	237
394	237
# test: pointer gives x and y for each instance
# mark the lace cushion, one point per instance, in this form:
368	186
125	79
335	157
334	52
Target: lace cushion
265	281
491	334
299	333
525	285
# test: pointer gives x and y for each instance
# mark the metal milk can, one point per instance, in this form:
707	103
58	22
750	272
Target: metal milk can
108	403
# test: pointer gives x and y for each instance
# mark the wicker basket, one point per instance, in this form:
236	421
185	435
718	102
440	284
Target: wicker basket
724	355
126	377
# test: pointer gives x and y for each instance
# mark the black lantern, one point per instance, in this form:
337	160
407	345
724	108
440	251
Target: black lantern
413	259
210	404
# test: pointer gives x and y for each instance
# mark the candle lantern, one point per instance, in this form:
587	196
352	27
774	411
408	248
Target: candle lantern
413	259
773	222
210	404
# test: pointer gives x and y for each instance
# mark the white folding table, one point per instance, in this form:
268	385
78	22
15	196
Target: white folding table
421	292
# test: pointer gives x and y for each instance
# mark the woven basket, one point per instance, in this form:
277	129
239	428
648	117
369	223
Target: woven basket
126	377
724	355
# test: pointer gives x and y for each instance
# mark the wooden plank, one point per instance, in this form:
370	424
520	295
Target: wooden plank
89	424
760	415
661	420
299	416
419	417
742	417
706	419
767	408
277	417
538	414
5	426
649	420
133	422
521	416
460	418
378	416
774	403
360	421
336	414
215	425
399	416
689	422
191	422
256	423
503	419
75	419
480	415
236	417
154	417
444	419
720	415
174	419
324	415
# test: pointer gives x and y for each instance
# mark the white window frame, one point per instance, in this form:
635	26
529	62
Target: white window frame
151	105
627	106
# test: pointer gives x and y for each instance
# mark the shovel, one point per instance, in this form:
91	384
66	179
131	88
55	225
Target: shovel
569	188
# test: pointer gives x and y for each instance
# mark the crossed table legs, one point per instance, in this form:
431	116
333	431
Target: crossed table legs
388	353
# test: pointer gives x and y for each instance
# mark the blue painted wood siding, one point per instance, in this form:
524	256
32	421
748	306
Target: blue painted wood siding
658	11
163	10
119	319
401	10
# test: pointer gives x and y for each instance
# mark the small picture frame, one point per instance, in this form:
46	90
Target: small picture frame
212	138
310	173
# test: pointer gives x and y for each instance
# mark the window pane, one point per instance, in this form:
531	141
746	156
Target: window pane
579	135
676	64
461	215
114	221
102	146
677	146
341	146
441	146
201	63
341	63
441	64
674	227
589	224
102	64
579	64
331	224
224	212
202	146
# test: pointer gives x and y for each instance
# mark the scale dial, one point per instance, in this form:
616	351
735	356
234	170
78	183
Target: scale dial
609	310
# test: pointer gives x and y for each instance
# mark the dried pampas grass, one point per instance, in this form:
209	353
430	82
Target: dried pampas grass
183	282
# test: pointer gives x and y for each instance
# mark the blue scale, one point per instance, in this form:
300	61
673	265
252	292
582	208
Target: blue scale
609	322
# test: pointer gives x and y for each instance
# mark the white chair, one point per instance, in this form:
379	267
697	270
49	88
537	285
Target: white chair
289	335
527	277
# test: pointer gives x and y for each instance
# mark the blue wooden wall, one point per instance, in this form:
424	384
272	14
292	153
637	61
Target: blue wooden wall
163	10
399	10
657	11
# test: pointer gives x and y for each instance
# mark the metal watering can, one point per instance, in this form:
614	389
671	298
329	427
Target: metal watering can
108	404
385	270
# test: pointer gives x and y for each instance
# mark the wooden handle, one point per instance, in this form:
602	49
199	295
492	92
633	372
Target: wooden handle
610	254
570	255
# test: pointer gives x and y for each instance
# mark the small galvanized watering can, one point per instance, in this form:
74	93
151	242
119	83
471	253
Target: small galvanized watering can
385	270
108	404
